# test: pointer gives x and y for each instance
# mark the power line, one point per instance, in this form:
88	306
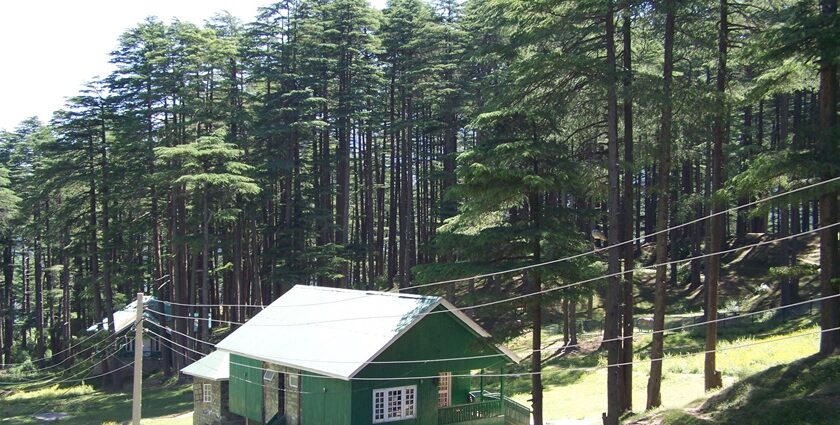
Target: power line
70	379
272	387
559	260
621	338
523	296
53	354
173	342
592	368
173	350
124	366
41	410
204	355
96	346
607	248
51	381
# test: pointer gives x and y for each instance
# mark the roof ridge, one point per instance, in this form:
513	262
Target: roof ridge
369	292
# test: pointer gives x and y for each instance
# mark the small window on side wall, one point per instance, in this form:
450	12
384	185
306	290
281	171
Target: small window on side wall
293	380
155	345
269	375
207	393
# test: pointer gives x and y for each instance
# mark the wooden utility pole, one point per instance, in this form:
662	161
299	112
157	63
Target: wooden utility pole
138	362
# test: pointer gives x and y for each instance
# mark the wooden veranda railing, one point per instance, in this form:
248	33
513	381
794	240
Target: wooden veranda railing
470	412
514	413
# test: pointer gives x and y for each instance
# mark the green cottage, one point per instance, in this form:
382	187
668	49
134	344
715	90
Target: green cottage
124	327
326	356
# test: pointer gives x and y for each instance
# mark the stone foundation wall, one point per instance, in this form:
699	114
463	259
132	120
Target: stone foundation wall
271	394
216	411
290	396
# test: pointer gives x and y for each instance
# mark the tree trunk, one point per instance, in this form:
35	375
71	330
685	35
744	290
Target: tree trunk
25	275
612	305
40	342
627	215
829	255
342	200
571	314
741	227
654	394
8	300
394	192
107	283
65	290
650	201
712	377
536	310
205	268
784	209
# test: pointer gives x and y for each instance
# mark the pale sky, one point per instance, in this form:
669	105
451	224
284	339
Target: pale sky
50	48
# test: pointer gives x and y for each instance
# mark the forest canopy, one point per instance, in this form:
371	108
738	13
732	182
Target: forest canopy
330	143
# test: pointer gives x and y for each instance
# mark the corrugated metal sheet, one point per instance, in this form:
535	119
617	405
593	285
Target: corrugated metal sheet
325	330
215	367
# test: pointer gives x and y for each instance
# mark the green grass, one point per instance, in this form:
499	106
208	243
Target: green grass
581	395
586	398
87	405
805	392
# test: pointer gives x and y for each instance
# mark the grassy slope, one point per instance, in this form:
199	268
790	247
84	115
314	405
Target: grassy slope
805	392
89	406
578	395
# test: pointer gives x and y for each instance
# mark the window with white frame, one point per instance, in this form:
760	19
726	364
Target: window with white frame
207	393
394	404
445	389
155	345
269	375
293	380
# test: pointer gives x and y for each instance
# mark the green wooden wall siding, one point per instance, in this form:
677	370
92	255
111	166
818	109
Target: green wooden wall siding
436	336
329	401
246	395
426	401
325	401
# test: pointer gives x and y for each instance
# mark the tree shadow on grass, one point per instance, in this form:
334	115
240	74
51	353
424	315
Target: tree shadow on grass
803	392
90	406
560	373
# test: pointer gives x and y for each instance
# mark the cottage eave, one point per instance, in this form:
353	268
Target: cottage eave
213	367
289	365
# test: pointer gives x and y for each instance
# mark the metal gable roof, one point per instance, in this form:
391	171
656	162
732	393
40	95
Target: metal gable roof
214	367
126	316
329	331
334	332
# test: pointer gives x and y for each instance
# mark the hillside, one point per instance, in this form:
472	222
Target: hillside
750	346
804	392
